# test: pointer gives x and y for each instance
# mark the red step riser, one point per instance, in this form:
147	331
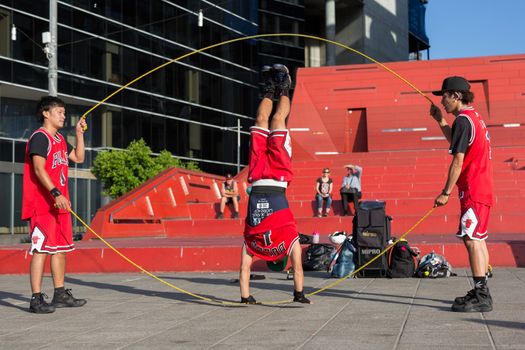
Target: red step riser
97	260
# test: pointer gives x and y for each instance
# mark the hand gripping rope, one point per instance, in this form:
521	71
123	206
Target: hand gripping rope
230	303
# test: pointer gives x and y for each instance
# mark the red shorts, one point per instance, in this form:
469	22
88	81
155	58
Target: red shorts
273	244
51	233
474	218
270	155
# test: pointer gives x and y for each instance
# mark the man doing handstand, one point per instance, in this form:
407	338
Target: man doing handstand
270	231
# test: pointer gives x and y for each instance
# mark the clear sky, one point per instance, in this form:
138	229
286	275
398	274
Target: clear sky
469	28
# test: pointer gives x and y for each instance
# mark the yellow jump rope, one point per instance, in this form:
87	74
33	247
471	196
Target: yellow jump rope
231	303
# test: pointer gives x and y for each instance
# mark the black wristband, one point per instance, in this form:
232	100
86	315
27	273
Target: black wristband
443	193
55	192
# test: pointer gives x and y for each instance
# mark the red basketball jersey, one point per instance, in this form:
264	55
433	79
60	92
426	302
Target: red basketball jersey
476	174
36	199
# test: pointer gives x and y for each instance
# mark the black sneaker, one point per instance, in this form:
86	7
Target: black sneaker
267	80
281	77
300	298
66	299
478	301
38	305
470	294
235	215
220	216
250	300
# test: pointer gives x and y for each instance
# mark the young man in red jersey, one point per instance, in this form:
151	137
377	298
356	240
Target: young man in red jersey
45	202
471	171
270	232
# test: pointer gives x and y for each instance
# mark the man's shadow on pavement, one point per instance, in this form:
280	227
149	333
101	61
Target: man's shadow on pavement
498	323
171	295
7	295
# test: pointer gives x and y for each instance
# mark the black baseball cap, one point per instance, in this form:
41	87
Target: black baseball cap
454	83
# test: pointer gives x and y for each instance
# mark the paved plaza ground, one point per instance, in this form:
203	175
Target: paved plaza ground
134	311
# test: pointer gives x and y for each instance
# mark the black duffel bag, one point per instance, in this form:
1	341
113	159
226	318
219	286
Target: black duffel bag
318	257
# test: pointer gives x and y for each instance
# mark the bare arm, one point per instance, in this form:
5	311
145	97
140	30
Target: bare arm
453	175
39	164
435	112
78	153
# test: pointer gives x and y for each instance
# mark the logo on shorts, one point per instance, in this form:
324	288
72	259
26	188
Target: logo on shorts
276	251
468	222
35	239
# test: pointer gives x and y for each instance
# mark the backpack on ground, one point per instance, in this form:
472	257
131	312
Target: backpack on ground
402	260
318	257
434	265
345	259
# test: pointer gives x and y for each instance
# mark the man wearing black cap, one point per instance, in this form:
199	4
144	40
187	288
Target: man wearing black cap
471	171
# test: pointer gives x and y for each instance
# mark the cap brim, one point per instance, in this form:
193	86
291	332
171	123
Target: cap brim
278	265
438	93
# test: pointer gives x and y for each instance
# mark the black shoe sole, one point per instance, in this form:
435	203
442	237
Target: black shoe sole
302	300
33	311
460	308
60	305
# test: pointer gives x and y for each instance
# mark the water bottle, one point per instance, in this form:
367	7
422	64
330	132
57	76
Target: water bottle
315	238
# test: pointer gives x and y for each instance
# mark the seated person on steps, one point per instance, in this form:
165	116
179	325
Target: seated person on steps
323	187
351	188
229	194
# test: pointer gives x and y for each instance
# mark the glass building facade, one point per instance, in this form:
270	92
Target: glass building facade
191	107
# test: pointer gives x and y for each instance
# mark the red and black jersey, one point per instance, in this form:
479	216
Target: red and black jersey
36	199
470	136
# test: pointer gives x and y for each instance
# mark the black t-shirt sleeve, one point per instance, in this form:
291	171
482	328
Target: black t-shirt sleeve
461	131
69	148
38	144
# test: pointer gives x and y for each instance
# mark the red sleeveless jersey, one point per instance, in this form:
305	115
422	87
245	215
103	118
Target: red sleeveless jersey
476	173
36	199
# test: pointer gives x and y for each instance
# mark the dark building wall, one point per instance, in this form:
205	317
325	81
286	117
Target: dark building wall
190	107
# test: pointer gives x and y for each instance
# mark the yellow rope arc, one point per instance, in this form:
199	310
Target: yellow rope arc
221	302
227	42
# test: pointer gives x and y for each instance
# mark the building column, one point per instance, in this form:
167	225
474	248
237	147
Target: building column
330	31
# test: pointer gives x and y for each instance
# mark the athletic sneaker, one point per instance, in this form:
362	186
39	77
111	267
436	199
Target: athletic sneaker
250	300
38	305
281	77
235	215
300	298
476	300
470	294
267	80
66	299
220	216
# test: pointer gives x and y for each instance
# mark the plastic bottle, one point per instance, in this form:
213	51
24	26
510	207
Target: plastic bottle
315	237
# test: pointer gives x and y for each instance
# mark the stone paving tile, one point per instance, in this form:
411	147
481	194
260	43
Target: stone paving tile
134	311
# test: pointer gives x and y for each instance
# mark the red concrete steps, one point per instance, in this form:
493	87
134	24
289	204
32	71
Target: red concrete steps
222	254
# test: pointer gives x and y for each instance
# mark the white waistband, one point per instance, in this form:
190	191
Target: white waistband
270	182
